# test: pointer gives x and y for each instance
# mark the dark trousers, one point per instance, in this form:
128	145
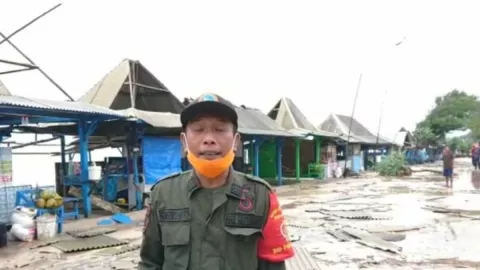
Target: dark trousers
475	162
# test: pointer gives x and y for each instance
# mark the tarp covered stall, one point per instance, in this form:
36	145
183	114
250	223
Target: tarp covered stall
161	157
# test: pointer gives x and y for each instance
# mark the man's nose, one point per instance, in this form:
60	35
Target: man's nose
209	140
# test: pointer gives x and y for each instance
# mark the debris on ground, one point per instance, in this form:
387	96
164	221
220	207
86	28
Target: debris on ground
364	223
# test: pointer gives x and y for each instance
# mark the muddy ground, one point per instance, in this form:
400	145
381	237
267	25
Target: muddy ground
428	226
406	208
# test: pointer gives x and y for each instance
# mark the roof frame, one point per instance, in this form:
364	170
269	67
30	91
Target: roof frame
287	114
32	65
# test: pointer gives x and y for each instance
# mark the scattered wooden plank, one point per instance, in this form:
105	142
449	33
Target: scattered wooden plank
97	201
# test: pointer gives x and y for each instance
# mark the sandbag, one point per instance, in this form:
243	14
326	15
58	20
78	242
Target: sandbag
31	212
23	219
23	234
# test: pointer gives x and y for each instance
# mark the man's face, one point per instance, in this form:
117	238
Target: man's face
210	137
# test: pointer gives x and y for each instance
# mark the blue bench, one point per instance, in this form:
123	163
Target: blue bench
75	213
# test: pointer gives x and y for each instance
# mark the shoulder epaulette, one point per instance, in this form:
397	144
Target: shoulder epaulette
171	176
256	179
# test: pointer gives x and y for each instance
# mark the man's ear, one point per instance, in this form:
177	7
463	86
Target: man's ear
238	141
183	140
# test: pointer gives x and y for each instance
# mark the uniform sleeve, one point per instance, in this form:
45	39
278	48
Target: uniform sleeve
275	247
151	250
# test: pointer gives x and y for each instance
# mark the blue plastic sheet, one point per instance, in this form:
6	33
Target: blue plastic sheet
417	156
161	157
357	164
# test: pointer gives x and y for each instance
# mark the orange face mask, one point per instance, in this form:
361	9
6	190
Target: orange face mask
211	168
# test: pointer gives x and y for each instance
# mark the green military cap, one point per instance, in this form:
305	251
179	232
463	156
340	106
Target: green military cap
209	104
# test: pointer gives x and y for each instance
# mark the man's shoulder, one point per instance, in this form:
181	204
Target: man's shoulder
168	180
255	179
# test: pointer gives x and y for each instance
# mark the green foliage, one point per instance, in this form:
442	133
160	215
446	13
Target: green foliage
460	144
474	123
454	111
425	137
392	165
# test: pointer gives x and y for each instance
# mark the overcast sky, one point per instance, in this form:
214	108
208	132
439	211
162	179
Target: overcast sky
254	52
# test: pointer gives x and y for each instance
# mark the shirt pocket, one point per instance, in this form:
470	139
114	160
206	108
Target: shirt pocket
176	245
241	247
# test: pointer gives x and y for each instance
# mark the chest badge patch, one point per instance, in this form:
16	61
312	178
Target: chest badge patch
246	201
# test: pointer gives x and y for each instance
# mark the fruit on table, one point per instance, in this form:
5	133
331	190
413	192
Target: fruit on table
50	203
48	199
40	203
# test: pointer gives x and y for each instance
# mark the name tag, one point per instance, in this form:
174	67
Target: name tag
174	215
244	221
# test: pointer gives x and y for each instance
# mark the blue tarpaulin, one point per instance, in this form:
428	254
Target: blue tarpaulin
357	164
416	156
161	157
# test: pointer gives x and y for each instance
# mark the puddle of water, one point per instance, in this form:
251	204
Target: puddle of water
467	181
439	242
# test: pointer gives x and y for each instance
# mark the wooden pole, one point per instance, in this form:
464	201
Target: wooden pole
351	123
297	159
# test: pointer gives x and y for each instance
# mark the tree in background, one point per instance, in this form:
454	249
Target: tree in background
456	110
424	137
461	145
474	124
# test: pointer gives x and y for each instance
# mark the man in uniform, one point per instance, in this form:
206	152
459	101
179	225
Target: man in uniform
213	218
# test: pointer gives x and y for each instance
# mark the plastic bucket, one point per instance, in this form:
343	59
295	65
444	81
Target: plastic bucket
46	227
3	235
95	173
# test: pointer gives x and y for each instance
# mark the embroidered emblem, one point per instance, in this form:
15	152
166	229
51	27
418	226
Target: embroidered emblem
246	200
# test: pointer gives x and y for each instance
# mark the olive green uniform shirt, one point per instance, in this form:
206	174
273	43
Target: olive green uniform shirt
190	227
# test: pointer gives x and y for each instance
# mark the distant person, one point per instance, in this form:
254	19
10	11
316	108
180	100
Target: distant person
475	155
448	158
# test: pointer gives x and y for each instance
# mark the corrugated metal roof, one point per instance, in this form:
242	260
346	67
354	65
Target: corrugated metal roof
320	133
403	138
254	122
89	243
300	119
302	260
60	106
4	90
288	115
250	121
155	119
400	138
340	124
115	90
